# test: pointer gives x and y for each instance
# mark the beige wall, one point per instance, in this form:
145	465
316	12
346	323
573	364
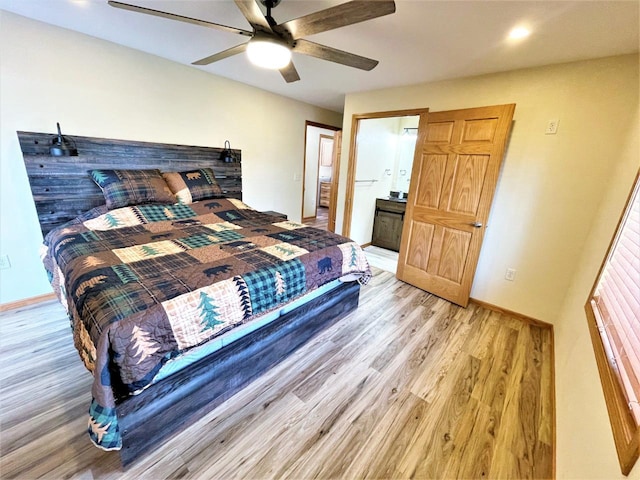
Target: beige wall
550	185
96	88
557	203
585	446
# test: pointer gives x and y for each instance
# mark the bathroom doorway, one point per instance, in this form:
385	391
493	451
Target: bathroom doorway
319	178
380	162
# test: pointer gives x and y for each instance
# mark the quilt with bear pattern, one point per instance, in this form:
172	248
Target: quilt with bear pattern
141	284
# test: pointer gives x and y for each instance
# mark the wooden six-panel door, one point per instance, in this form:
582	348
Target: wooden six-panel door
455	171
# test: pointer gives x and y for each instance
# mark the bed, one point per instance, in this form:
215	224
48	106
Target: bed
176	305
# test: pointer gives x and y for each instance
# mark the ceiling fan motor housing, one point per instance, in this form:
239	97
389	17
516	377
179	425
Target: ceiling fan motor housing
270	3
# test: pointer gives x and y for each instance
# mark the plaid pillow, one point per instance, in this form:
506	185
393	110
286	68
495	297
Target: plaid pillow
193	185
132	187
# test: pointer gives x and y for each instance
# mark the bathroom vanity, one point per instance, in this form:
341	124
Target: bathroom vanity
387	223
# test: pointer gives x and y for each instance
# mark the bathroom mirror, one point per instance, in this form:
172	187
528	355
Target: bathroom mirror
405	148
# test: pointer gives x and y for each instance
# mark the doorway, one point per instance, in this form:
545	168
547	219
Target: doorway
457	159
380	161
319	178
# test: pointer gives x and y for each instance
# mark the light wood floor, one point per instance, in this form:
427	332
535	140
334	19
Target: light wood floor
321	220
382	258
408	386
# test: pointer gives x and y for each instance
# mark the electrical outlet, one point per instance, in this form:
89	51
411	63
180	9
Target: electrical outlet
297	177
510	275
552	127
4	262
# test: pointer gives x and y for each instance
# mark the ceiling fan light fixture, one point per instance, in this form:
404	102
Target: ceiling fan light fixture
268	53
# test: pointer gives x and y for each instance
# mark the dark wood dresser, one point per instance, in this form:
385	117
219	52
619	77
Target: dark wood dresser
387	223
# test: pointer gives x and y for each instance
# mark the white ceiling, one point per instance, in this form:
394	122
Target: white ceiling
423	41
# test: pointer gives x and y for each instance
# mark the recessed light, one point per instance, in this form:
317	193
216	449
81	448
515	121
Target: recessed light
519	32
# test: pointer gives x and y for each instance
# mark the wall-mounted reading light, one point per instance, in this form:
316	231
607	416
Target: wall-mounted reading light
227	156
63	146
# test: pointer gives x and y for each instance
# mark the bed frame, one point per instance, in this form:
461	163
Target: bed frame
62	189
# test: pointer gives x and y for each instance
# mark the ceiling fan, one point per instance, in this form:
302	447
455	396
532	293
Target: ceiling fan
271	43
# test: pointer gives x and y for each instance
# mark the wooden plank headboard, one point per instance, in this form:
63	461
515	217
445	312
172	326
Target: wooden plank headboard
62	188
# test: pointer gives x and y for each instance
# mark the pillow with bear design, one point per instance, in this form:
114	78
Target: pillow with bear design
192	185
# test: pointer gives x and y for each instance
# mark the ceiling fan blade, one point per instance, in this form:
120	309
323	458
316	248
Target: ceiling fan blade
222	55
254	15
289	73
173	16
334	55
339	16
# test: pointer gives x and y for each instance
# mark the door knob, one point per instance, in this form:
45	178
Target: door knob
476	224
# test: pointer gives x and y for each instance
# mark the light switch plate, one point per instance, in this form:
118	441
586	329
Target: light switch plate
510	274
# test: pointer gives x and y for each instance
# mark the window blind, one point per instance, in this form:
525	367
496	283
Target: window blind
616	304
